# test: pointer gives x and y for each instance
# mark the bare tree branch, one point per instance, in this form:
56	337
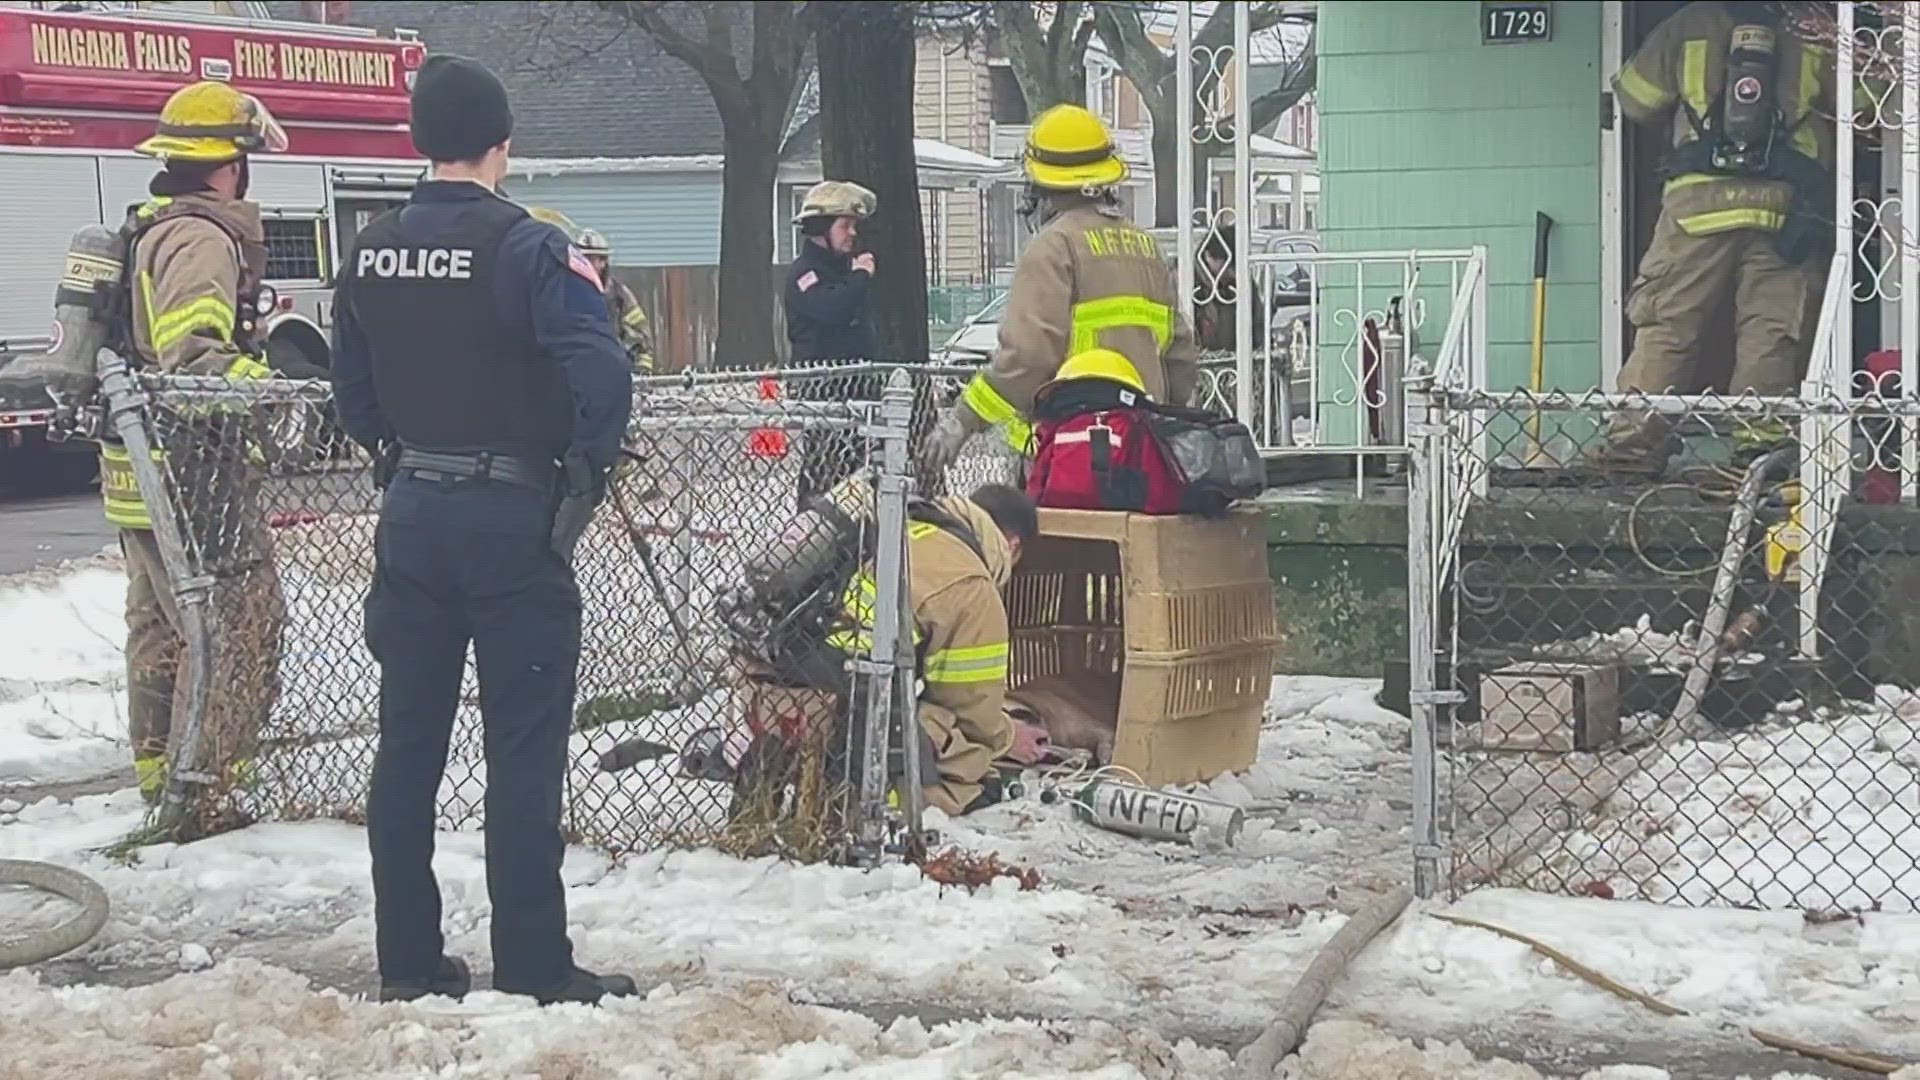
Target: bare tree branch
651	17
1148	68
1302	75
753	107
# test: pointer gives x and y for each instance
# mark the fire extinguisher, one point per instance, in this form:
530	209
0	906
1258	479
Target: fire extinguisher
1383	373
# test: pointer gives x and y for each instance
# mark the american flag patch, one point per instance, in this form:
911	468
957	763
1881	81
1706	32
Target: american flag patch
808	280
578	264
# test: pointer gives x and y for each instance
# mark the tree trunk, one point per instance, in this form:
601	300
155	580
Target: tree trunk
745	335
866	58
1165	147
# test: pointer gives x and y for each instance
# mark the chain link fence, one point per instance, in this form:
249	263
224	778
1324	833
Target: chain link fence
273	515
1691	687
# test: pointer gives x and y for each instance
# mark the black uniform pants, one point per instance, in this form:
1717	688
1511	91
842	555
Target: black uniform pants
458	561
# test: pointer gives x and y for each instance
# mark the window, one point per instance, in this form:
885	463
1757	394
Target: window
1311	214
1009	103
355	212
1006	232
293	249
788	246
1130	113
1103	93
933	206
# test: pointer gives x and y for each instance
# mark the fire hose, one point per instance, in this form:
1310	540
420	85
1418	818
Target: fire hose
20	950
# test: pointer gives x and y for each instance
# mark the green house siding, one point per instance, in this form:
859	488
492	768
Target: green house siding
1432	140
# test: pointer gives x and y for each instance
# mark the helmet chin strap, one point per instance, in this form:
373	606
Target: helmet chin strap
245	178
1039	205
1035	208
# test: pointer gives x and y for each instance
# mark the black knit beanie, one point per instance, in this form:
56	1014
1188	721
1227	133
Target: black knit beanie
460	109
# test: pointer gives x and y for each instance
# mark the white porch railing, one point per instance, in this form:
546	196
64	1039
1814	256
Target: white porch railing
1342	329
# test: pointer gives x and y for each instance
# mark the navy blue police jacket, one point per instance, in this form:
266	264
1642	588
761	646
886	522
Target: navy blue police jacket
826	305
491	350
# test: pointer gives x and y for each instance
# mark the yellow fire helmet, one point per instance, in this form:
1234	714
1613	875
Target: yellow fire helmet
212	122
1097	364
1069	149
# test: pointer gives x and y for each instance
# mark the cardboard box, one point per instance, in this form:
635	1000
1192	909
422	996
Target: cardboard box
1179	610
1560	707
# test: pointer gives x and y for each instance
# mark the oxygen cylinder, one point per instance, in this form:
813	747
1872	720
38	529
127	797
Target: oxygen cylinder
1157	815
96	259
1747	114
811	545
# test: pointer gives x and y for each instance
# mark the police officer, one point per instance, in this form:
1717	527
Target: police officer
474	356
827	324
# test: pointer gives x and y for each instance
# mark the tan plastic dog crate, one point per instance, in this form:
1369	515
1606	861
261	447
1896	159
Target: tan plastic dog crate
1177	610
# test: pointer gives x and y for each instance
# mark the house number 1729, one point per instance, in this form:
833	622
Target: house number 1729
1505	23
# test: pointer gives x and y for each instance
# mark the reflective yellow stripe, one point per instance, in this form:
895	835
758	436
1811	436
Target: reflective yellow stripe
246	367
973	664
1641	90
1693	75
1092	317
1689	180
635	318
120	491
857	608
150	773
997	411
206	313
1806	138
1719	221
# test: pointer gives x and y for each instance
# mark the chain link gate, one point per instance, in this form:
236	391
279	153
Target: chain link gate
269	516
1697	689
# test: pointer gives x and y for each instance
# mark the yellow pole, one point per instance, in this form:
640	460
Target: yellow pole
1542	226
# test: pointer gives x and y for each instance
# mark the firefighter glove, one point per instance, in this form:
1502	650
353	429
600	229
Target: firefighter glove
943	443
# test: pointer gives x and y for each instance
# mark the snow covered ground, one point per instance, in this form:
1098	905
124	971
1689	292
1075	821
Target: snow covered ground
1132	959
63	676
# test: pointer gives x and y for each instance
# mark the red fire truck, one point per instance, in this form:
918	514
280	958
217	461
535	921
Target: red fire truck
78	91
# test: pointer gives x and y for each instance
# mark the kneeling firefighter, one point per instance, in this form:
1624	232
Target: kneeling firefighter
807	609
177	289
1090	279
1749	181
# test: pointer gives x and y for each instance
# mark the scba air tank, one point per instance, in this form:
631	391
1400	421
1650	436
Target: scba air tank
83	304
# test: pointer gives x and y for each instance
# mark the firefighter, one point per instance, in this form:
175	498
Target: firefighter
1749	108
629	318
827	321
1090	279
473	354
962	552
196	260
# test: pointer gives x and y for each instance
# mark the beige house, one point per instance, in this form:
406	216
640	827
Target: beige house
966	96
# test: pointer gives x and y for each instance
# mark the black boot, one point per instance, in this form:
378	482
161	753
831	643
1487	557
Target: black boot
582	986
452	980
